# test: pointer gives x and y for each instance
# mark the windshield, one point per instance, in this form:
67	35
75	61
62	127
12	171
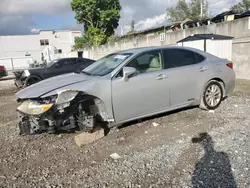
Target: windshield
49	64
106	64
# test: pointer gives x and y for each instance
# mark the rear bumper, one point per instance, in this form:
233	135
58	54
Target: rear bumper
230	85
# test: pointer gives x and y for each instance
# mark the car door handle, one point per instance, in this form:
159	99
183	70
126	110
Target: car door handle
161	77
202	69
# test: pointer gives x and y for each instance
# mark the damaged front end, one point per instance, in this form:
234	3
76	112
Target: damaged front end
68	110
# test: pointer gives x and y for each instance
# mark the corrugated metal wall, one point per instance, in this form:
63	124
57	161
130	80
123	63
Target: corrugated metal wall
220	48
199	44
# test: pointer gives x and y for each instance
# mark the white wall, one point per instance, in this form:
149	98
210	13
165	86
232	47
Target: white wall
220	48
21	62
16	63
17	46
199	44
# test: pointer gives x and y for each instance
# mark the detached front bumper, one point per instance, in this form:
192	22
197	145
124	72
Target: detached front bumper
66	111
19	78
30	125
50	121
19	83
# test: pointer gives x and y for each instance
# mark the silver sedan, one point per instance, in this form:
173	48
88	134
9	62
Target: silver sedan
125	86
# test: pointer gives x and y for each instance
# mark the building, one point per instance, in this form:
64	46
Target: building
34	45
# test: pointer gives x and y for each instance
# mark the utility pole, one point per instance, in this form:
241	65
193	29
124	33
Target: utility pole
122	30
201	8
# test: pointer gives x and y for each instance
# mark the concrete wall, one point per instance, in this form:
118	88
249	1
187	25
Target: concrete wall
240	29
16	46
16	63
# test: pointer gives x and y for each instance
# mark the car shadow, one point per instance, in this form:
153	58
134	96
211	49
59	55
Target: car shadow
155	116
214	168
160	115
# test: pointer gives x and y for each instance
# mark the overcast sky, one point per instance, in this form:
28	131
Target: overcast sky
19	17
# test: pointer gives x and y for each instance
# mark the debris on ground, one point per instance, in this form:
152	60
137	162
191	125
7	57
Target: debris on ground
155	124
87	138
115	156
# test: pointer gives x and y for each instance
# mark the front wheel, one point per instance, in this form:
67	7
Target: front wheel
212	96
31	80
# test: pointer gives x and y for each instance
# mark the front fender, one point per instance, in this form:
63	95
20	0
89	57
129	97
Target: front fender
100	89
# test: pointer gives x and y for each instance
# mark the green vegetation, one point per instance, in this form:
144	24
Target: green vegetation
242	6
100	19
190	10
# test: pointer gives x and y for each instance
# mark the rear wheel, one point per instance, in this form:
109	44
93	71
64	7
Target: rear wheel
32	80
212	96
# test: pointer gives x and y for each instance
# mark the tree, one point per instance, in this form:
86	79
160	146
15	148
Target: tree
180	12
100	19
79	41
241	6
195	9
190	10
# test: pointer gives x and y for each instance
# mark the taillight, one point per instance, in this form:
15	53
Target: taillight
2	68
230	65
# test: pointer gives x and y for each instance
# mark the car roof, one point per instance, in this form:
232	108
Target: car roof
205	36
144	49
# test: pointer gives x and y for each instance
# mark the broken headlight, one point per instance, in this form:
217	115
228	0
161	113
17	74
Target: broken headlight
66	97
33	107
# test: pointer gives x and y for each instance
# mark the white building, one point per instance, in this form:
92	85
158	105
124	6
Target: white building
34	45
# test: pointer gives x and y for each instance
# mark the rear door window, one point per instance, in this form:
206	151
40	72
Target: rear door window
199	58
178	57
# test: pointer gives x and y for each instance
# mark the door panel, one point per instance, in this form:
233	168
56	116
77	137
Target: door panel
186	84
187	73
144	93
140	95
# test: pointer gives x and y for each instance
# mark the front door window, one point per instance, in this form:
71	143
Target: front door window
148	62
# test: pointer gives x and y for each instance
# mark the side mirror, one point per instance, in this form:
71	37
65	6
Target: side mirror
128	71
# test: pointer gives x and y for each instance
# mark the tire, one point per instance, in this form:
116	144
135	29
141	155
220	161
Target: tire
31	80
212	96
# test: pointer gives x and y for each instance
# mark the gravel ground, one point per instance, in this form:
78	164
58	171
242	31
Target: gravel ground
166	155
7	101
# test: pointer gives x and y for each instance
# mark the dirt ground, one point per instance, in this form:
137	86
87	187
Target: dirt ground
166	155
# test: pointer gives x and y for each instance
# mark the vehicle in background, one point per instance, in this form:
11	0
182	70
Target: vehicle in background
51	53
3	71
25	78
126	86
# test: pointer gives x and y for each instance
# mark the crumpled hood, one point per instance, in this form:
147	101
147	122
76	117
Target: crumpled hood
48	85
